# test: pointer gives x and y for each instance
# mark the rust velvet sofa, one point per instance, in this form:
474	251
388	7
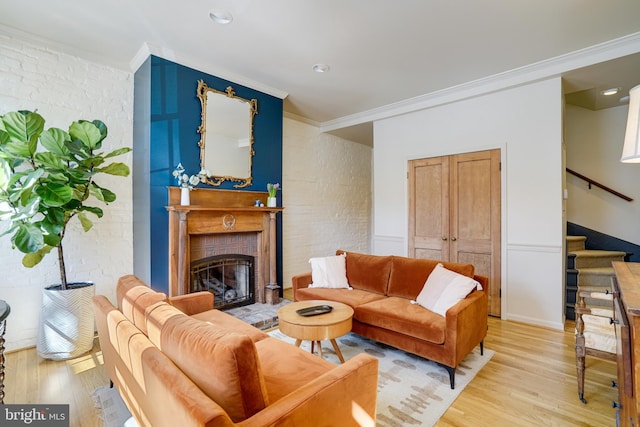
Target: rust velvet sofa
181	363
382	292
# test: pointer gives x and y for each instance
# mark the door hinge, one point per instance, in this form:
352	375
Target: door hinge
499	166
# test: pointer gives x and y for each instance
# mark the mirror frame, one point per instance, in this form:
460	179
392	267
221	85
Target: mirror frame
202	92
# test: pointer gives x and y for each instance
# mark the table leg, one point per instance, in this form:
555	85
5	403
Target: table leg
337	350
298	342
320	349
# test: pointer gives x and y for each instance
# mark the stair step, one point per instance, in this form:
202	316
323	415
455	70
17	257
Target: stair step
576	243
596	277
596	258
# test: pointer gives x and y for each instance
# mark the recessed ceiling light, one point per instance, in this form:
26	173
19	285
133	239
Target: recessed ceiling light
320	68
221	16
611	91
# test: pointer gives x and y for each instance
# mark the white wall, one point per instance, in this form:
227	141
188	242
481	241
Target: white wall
594	142
64	89
326	184
526	124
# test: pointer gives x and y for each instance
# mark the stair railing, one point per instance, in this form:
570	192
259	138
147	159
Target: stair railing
597	184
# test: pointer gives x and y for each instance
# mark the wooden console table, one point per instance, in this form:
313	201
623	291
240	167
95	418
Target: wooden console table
626	294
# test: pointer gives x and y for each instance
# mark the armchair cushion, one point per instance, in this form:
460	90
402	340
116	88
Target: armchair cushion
224	365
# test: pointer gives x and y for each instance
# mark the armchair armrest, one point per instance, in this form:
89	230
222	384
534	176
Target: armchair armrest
345	396
193	303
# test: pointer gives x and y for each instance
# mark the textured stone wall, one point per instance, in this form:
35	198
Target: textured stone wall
326	196
63	89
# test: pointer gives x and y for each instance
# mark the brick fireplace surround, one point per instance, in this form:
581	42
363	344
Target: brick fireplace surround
221	222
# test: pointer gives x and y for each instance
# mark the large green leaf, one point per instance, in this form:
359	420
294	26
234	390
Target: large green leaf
50	160
118	152
23	126
54	140
31	260
28	238
5	175
86	132
119	169
55	194
94	210
102	194
86	222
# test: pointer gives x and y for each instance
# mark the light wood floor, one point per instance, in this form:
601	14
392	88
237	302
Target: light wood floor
530	381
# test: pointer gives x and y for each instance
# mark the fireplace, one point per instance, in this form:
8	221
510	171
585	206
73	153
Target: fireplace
229	277
222	224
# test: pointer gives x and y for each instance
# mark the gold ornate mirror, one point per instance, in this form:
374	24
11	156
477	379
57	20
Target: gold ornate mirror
226	142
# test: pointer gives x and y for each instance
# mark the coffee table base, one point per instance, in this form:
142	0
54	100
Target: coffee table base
333	343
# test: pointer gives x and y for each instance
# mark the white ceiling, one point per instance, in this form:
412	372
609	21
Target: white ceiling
381	53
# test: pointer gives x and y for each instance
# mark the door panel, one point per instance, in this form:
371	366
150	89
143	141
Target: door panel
428	207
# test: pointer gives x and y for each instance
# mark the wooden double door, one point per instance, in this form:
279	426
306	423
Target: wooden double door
454	213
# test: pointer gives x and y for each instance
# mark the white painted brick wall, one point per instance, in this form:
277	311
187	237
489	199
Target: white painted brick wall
326	195
63	89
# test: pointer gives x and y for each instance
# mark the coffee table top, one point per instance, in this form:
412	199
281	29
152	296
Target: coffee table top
321	327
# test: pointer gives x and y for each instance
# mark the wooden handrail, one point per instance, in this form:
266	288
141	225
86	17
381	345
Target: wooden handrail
597	184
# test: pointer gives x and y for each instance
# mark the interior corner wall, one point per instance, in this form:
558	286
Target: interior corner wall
328	196
175	115
525	123
63	89
594	142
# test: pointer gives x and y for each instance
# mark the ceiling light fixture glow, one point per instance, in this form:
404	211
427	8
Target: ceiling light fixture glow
221	16
611	91
320	68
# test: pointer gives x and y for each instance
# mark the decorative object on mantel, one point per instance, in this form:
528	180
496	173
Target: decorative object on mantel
187	182
47	177
273	190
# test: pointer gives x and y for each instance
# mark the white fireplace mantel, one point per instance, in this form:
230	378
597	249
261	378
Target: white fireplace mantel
214	212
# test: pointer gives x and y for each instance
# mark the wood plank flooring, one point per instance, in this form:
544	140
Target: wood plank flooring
530	381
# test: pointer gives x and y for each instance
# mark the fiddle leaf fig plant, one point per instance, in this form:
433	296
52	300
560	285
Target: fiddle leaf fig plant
47	177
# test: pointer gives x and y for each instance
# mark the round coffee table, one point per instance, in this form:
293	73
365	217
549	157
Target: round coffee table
328	326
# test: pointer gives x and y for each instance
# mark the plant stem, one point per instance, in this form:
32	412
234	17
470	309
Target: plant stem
63	271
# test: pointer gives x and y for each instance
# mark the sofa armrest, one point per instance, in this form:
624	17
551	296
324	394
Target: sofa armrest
299	282
466	324
193	303
344	396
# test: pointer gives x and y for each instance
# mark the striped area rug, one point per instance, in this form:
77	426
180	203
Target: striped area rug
412	391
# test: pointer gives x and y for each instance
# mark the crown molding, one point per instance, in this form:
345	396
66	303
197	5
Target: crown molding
542	70
148	49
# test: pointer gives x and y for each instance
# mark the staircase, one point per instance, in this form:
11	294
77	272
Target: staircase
588	269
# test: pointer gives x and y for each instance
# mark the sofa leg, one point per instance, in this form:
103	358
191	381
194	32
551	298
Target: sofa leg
481	348
110	384
452	374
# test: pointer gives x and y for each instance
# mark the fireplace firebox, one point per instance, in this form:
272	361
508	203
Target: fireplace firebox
229	277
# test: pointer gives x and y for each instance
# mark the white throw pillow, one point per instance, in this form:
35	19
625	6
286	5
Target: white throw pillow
329	272
444	288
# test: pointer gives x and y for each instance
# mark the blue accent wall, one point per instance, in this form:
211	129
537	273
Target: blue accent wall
173	138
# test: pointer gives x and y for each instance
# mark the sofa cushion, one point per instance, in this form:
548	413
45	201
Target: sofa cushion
408	275
368	272
351	297
287	368
133	297
445	288
329	272
399	315
223	364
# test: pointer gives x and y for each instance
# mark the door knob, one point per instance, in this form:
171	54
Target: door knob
453	239
444	238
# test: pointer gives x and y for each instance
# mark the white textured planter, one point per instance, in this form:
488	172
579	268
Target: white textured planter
185	199
66	328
